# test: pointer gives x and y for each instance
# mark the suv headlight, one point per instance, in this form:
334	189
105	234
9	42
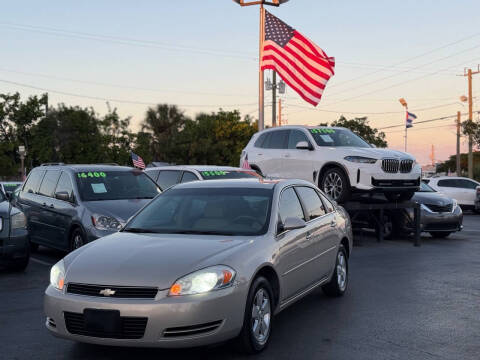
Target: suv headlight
360	159
18	221
57	275
103	222
454	204
202	281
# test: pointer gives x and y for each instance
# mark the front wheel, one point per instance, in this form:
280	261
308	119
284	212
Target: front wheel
440	234
257	323
338	284
335	184
403	196
77	240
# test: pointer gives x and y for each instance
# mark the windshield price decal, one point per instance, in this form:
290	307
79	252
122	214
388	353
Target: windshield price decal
90	174
322	131
214	173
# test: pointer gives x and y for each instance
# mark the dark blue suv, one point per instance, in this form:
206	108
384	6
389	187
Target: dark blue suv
69	205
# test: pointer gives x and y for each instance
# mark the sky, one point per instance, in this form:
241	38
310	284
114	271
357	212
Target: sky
203	55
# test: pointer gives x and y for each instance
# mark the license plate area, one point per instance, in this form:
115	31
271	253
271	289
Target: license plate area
106	322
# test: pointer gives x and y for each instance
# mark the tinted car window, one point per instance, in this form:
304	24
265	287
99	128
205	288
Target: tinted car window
311	200
188	176
168	178
115	185
337	137
153	174
65	185
277	140
261	140
33	181
49	183
235	174
467	184
222	211
295	137
328	205
448	183
290	206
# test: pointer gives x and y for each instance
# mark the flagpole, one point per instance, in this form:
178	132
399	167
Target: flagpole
261	79
406	128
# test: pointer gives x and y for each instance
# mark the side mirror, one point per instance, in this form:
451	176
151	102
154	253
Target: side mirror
62	195
292	223
304	145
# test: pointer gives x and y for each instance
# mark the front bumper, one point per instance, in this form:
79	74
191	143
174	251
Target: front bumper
437	222
371	177
13	247
224	307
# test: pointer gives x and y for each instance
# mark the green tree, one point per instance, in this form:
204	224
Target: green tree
361	127
117	138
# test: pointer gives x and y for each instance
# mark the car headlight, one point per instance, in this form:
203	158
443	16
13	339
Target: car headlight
426	208
454	204
103	222
57	275
202	281
18	221
360	159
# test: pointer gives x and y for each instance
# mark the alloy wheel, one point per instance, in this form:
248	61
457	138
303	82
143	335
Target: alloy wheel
261	315
333	185
77	241
341	271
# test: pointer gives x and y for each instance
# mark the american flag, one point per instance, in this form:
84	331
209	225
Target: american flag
245	163
300	63
137	161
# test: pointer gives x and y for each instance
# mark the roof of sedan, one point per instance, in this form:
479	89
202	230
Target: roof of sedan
197	168
239	183
87	167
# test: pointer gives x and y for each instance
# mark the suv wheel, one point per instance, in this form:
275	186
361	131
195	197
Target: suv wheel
77	240
403	196
334	183
338	284
257	323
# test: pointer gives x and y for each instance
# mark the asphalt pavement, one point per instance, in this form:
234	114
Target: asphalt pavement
403	302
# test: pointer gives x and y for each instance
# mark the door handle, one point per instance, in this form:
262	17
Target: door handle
333	223
51	206
259	154
44	204
309	236
287	155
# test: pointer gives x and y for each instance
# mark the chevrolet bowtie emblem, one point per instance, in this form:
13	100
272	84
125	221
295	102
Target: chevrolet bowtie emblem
107	292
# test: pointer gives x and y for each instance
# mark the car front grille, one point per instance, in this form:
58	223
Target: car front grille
440	208
406	166
131	328
136	292
192	330
386	183
394	166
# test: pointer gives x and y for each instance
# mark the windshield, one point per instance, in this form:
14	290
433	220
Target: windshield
115	185
211	211
337	137
235	174
425	188
11	187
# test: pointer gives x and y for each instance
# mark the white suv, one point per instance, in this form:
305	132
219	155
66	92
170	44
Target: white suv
459	188
335	159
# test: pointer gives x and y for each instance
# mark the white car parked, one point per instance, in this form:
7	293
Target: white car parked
461	189
335	159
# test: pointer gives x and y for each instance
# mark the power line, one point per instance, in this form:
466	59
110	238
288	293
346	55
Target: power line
424	121
423	128
112	99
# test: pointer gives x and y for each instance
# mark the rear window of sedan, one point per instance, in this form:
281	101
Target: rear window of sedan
229	174
209	211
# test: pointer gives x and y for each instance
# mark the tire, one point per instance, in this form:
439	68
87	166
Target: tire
248	341
77	239
440	234
339	282
388	227
335	184
403	196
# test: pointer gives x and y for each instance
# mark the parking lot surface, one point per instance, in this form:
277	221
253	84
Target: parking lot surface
403	303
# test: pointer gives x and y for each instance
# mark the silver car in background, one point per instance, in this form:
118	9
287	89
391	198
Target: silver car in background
204	262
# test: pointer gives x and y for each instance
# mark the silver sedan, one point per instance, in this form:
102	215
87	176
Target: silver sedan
202	263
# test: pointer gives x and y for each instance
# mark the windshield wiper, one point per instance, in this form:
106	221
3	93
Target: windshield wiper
140	230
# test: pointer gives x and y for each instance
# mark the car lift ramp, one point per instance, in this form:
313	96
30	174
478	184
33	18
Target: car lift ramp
376	208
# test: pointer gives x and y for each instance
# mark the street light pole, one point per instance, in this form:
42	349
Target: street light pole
261	78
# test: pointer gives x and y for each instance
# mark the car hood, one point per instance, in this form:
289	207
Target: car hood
376	153
433	198
127	259
119	209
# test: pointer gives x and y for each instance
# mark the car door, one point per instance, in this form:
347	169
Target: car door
298	163
321	233
294	255
29	202
269	157
47	225
63	210
467	189
450	188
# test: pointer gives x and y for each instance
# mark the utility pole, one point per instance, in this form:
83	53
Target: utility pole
469	73
274	99
279	112
459	170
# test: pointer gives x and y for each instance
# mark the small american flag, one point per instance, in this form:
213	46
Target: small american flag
245	164
299	62
137	161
